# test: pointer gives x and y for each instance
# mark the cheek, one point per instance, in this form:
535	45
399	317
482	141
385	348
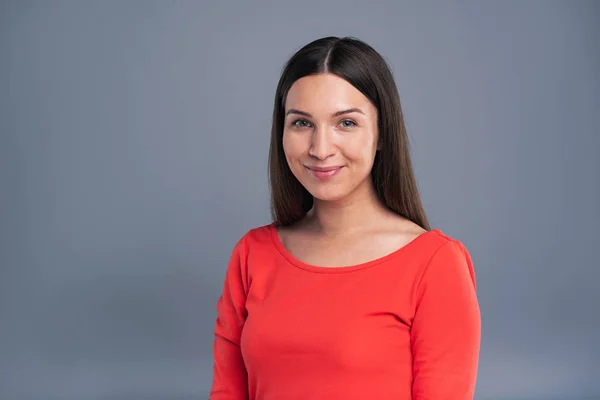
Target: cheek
362	149
292	148
287	148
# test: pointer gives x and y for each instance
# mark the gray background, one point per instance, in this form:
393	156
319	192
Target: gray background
133	147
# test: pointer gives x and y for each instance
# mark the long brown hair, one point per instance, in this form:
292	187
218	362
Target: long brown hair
365	69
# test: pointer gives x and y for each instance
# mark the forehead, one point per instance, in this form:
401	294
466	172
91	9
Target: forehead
326	94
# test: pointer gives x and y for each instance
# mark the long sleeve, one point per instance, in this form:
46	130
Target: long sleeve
230	379
446	329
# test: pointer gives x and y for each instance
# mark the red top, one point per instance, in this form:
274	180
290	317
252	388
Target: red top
405	326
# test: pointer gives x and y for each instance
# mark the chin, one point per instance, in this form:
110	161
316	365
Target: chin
328	194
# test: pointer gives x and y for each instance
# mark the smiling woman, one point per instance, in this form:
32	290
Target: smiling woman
348	293
334	138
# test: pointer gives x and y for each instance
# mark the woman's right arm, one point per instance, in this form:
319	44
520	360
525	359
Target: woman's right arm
230	379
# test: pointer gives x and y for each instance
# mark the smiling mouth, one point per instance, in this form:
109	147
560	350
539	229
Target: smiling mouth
324	173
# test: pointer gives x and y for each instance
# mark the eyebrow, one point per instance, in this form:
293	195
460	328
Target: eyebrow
336	114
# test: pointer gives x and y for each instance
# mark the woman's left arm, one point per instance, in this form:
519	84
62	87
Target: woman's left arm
446	329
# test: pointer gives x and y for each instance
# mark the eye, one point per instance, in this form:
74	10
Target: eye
348	123
301	123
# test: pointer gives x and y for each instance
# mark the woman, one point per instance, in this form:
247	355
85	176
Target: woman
348	294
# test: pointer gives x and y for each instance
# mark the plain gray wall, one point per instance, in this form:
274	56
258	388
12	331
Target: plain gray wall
133	147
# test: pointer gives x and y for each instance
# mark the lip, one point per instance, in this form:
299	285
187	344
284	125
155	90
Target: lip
323	169
324	173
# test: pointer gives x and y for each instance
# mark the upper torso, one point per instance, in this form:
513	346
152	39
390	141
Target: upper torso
330	333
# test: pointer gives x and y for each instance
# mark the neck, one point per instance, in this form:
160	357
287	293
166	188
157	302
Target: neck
346	216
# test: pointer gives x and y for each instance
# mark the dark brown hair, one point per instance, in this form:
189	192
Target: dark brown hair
365	69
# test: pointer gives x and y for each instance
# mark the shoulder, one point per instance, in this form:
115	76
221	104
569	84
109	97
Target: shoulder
260	235
255	238
254	242
439	244
447	258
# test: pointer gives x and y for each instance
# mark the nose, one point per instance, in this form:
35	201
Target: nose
321	146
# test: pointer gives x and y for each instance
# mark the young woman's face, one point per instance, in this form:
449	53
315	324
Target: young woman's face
330	136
